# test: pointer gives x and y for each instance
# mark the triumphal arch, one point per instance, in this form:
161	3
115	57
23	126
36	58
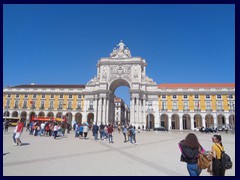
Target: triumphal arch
121	69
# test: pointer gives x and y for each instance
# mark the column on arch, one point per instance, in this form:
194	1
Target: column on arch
137	112
104	111
140	112
180	123
169	122
227	120
192	122
95	109
131	110
107	110
204	121
215	121
100	110
144	112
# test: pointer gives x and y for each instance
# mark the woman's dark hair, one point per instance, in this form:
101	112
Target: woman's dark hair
191	141
218	138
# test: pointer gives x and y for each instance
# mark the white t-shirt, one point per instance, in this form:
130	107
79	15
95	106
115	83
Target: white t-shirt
85	129
42	126
55	128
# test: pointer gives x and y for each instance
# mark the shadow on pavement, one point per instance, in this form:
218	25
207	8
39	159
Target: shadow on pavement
6	153
25	144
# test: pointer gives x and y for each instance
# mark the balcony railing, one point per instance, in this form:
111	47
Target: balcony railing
197	110
220	110
50	108
79	108
174	109
163	109
185	110
42	107
208	110
69	108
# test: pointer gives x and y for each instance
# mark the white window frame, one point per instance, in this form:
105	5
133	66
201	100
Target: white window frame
51	104
184	105
60	96
210	105
175	103
164	105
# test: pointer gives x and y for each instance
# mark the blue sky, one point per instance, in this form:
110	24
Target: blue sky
61	44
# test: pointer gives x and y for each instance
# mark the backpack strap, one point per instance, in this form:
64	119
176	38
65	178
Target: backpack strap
219	149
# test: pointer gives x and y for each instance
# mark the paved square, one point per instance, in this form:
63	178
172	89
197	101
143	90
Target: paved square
156	154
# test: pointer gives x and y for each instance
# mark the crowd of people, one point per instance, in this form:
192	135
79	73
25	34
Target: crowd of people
51	129
190	147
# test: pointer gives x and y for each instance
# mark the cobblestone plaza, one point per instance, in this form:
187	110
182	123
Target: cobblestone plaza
156	154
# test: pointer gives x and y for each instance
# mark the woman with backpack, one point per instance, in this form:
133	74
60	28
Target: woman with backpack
190	148
217	147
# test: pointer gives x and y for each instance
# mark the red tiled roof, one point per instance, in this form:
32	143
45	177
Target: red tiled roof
200	85
49	86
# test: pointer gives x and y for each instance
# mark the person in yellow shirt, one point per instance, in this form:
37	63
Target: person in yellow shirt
217	147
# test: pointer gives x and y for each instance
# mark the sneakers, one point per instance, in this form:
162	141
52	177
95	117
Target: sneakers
15	144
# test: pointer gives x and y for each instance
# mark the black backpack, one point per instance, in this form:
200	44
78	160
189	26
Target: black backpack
225	160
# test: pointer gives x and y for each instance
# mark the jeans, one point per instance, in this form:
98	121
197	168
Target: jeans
125	139
110	138
14	137
130	138
193	170
42	131
95	136
101	134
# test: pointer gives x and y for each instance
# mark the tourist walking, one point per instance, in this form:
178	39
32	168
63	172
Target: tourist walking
55	130
106	132
190	148
85	131
19	132
110	131
125	133
81	131
76	130
6	125
42	128
217	147
133	132
95	131
14	134
101	130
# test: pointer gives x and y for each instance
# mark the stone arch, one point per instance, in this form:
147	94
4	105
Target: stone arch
118	82
164	120
23	115
197	120
221	120
175	121
69	117
59	115
90	118
78	118
6	114
50	114
209	120
32	115
232	121
186	118
151	120
14	114
41	114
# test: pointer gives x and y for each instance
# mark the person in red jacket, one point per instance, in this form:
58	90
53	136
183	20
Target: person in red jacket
110	131
19	132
